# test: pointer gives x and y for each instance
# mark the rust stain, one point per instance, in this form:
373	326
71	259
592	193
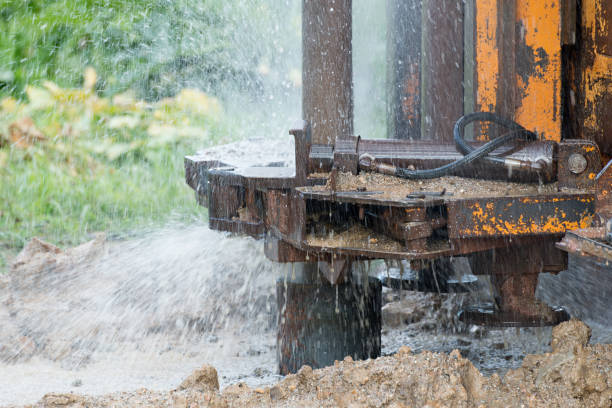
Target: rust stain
539	36
597	73
487	57
555	223
410	101
603	34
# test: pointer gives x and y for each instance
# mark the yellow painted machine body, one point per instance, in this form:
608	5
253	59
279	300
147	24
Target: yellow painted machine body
547	64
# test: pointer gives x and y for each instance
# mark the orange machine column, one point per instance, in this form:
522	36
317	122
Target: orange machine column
517	47
538	66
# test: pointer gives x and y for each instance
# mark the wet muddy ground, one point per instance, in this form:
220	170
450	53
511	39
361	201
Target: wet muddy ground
574	374
109	317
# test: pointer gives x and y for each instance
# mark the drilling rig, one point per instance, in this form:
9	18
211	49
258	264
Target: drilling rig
499	125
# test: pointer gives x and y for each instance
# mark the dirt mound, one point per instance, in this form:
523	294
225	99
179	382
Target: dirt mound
575	374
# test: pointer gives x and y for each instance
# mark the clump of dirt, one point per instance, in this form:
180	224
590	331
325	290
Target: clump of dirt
575	374
204	379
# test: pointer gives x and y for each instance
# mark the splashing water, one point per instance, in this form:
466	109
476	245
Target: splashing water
139	313
112	316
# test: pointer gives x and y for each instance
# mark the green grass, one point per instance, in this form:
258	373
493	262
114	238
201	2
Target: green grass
43	199
104	164
154	47
116	165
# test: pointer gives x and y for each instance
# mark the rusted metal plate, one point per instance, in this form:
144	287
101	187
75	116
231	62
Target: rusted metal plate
286	215
224	201
588	242
252	229
303	141
518	216
253	177
429	250
487	55
495	62
604	191
591	75
321	158
346	155
415	230
279	251
538	62
517	50
365	198
569	22
196	174
603	31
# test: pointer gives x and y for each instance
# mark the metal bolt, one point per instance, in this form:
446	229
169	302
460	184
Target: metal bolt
577	163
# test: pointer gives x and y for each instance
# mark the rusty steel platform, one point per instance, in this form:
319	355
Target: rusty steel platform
532	82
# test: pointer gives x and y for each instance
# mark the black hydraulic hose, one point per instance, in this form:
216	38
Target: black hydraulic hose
459	130
470	154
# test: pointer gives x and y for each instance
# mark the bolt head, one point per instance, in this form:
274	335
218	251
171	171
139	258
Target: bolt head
577	163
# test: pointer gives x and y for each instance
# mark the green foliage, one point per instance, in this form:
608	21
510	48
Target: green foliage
155	47
72	163
104	152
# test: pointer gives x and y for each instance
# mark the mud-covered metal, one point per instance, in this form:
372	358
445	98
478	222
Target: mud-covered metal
590	242
545	64
319	323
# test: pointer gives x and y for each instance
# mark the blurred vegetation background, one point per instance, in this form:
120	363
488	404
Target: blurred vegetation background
100	100
154	47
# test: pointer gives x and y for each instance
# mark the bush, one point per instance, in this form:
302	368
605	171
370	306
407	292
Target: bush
73	162
155	47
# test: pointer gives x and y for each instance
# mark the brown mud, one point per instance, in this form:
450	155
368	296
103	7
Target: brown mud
82	313
574	374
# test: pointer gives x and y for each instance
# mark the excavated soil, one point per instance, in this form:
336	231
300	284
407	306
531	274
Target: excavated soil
575	374
121	324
